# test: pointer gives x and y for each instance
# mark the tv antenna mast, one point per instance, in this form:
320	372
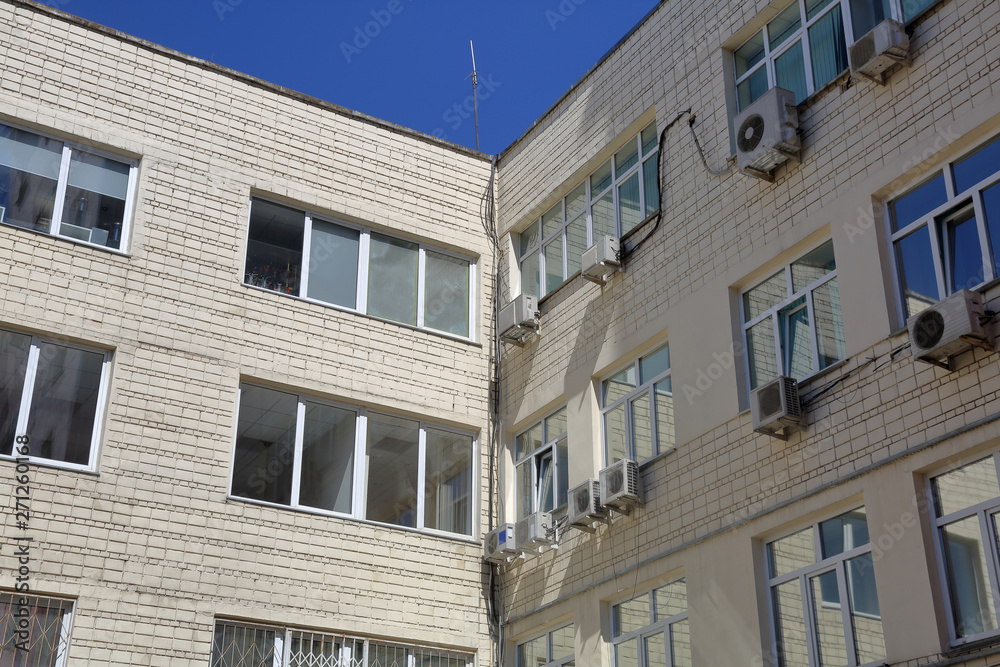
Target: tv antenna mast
475	100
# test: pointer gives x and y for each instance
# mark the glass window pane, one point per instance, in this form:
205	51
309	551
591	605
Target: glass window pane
528	239
828	47
963	252
843	533
797	340
274	247
29	171
546	482
811	267
533	653
392	279
791	624
386	655
829	325
671	599
64	403
642	436
918	203
761	353
680	635
562	642
916	273
632	615
651	184
333	264
555	425
530	277
562	472
265	445
448	485
241	646
525	489
784	25
629	210
393	450
748	55
790	72
446	293
764	296
529	441
866	617
626	158
576	243
627	653
751	88
967	486
968	581
14	349
913	7
552	220
94	208
576	201
328	457
600	179
603	215
973	168
866	14
619	385
654	364
650	140
793	552
814	7
553	264
656	650
614	434
991	209
830	639
664	398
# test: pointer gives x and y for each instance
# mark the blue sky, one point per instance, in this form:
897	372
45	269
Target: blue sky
406	61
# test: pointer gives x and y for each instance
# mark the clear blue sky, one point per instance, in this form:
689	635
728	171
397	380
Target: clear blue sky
406	61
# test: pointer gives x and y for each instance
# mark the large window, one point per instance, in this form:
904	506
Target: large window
553	649
967	522
303	452
637	409
241	645
59	188
292	252
804	47
946	232
823	601
45	641
791	320
542	467
54	393
612	201
651	630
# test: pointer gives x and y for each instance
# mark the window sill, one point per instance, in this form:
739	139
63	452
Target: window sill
959	649
645	465
66	239
35	462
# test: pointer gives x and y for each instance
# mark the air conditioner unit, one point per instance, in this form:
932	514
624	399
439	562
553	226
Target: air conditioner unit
620	487
534	530
499	543
518	319
884	47
601	259
776	407
585	505
767	134
950	327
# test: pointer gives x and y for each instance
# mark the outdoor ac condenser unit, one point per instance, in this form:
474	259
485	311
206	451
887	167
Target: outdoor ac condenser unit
534	530
601	259
881	49
776	407
518	319
949	327
498	544
584	506
767	134
620	488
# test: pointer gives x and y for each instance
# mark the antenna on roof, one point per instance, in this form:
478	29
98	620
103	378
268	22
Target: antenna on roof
475	101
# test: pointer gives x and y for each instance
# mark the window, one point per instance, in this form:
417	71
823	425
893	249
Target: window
946	232
553	649
65	190
804	47
791	320
638	409
239	645
824	606
45	641
651	630
612	201
966	519
303	452
292	252
54	393
542	468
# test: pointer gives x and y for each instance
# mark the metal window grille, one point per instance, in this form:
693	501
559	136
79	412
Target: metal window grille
48	628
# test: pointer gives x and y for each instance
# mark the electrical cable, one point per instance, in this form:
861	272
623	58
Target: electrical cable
704	160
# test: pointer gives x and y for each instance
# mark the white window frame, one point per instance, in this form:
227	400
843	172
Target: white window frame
539	244
778	315
803	575
656	626
24	410
65	628
533	460
69	147
364	257
644	387
552	662
930	220
802	35
984	511
359	488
